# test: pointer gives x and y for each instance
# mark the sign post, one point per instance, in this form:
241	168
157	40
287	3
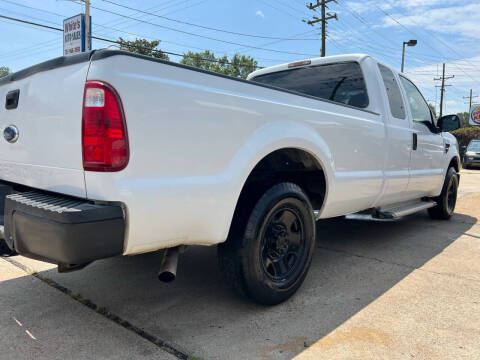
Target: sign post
74	35
475	115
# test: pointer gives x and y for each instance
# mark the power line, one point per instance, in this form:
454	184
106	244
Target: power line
399	23
202	26
417	56
279	9
197	35
438	39
115	29
97	25
151	10
386	41
30	23
241	50
114	41
201	36
285	4
151	14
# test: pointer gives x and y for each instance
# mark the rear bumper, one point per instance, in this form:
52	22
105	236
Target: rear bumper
469	162
61	229
472	160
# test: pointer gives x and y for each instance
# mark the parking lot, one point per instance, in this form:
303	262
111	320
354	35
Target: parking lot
376	289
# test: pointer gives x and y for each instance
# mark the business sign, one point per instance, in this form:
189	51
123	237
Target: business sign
74	35
475	115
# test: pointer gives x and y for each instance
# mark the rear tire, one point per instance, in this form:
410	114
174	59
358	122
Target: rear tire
270	246
448	198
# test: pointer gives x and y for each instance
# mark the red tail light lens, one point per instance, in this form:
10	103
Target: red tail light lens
104	131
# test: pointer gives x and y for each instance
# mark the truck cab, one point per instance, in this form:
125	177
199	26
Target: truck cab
414	152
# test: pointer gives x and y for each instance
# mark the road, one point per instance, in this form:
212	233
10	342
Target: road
376	289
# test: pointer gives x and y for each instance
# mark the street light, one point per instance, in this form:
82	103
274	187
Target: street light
409	43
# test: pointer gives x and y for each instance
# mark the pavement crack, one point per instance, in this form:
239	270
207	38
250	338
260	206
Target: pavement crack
397	264
163	345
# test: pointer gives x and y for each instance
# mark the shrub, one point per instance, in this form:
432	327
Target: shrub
464	135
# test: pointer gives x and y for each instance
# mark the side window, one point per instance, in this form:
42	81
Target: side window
339	82
393	92
418	106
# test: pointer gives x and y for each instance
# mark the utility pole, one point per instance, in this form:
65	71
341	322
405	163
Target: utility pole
471	98
324	20
442	90
87	25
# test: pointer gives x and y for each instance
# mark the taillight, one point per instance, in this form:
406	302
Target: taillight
104	131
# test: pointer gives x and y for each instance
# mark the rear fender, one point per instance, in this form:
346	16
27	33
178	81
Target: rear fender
267	139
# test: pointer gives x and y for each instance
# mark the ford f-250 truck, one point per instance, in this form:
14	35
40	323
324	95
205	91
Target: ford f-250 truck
112	153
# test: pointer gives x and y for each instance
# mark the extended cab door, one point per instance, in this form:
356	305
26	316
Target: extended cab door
399	140
428	155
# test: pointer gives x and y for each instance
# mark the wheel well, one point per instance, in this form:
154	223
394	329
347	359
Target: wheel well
454	162
288	165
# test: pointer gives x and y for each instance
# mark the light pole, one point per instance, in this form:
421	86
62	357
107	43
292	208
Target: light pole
409	43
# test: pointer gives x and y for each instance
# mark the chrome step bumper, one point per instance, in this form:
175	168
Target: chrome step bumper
62	229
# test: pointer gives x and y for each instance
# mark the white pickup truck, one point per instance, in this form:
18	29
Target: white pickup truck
112	153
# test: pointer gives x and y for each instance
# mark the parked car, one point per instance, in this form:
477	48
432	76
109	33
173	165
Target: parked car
472	154
112	153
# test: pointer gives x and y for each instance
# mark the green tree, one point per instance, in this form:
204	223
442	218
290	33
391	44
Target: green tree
464	116
4	71
238	66
143	47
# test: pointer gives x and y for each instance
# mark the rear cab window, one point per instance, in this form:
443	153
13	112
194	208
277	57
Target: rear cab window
397	108
343	82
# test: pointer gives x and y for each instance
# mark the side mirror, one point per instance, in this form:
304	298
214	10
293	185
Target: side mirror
448	123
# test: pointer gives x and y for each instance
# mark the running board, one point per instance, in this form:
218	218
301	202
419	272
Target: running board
400	210
2	229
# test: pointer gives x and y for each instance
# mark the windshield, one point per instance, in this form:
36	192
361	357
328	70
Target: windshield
474	146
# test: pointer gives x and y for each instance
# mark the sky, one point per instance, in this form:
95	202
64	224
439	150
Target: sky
272	32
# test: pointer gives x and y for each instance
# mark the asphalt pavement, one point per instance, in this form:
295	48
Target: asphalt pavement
376	290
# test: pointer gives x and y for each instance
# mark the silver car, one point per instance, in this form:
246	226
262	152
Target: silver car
472	154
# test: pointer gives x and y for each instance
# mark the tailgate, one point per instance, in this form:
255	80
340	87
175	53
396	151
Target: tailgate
48	118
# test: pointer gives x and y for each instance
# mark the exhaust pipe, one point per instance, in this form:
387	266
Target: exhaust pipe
168	268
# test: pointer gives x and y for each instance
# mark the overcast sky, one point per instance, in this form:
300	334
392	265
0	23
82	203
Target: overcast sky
446	32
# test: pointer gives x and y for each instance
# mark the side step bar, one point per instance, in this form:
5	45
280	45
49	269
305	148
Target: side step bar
400	210
2	228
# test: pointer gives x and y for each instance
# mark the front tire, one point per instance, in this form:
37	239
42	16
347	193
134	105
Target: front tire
269	249
5	251
448	198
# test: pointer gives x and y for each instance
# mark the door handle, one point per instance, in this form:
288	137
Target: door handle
415	141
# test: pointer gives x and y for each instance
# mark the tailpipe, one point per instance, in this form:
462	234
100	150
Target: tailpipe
168	268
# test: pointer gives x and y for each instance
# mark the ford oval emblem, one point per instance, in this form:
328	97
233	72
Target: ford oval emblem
10	133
